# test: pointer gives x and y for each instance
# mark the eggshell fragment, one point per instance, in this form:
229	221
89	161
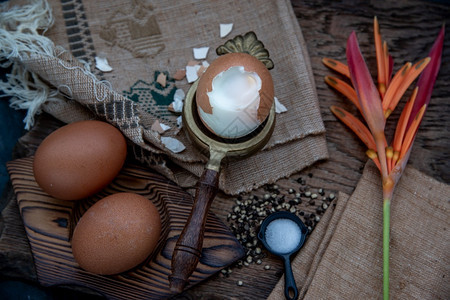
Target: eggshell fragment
179	95
202	68
173	144
102	64
234	95
225	29
116	234
180	121
279	108
177	105
200	53
79	159
191	73
159	127
162	79
179	74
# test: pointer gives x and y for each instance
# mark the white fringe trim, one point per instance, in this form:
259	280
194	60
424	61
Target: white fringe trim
28	92
19	30
20	37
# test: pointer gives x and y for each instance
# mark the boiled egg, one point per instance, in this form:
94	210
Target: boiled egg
234	95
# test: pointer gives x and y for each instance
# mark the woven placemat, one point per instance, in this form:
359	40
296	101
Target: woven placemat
141	41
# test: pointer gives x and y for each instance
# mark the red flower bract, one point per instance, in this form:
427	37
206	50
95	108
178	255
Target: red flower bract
369	98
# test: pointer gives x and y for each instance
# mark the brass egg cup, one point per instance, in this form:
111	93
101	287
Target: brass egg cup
187	251
217	147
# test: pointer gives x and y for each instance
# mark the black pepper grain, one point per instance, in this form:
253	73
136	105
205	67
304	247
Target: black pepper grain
250	210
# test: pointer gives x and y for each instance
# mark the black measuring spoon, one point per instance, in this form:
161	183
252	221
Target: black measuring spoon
283	234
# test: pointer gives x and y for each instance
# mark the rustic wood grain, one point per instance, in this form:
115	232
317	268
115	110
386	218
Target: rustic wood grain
46	221
409	27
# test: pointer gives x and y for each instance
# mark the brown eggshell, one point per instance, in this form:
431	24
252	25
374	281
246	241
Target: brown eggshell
250	64
79	159
116	234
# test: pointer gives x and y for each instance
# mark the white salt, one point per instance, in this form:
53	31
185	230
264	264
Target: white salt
283	235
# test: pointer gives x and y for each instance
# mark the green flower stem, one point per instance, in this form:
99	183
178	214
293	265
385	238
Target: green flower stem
386	229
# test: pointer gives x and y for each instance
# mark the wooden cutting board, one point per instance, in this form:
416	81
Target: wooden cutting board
49	222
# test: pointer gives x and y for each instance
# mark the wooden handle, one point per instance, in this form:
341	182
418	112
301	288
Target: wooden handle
189	245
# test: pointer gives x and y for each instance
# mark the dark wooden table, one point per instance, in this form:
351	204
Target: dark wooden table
409	27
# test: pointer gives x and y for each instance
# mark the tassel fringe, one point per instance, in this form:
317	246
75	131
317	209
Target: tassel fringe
21	30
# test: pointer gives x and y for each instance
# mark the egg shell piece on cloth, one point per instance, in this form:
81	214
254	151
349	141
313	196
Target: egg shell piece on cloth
128	98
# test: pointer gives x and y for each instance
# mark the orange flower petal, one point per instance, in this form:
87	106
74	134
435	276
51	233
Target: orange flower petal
387	61
381	64
344	88
413	72
412	130
403	121
395	83
355	125
337	66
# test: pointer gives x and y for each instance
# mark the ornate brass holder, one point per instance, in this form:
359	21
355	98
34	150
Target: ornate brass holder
188	248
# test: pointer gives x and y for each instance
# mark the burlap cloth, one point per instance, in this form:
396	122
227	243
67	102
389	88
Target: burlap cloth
342	259
140	39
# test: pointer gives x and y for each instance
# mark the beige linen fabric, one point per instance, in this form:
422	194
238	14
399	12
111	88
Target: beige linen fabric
140	39
350	266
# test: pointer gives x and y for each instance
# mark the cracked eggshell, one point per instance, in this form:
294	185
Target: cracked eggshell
222	120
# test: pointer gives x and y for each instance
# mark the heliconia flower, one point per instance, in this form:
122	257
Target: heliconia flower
369	98
376	103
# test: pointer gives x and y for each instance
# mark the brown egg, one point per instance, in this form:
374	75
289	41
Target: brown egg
116	234
79	159
234	95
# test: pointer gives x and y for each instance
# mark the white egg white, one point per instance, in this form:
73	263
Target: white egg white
235	100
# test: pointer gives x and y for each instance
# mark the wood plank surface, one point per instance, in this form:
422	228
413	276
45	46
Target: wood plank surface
409	27
49	224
